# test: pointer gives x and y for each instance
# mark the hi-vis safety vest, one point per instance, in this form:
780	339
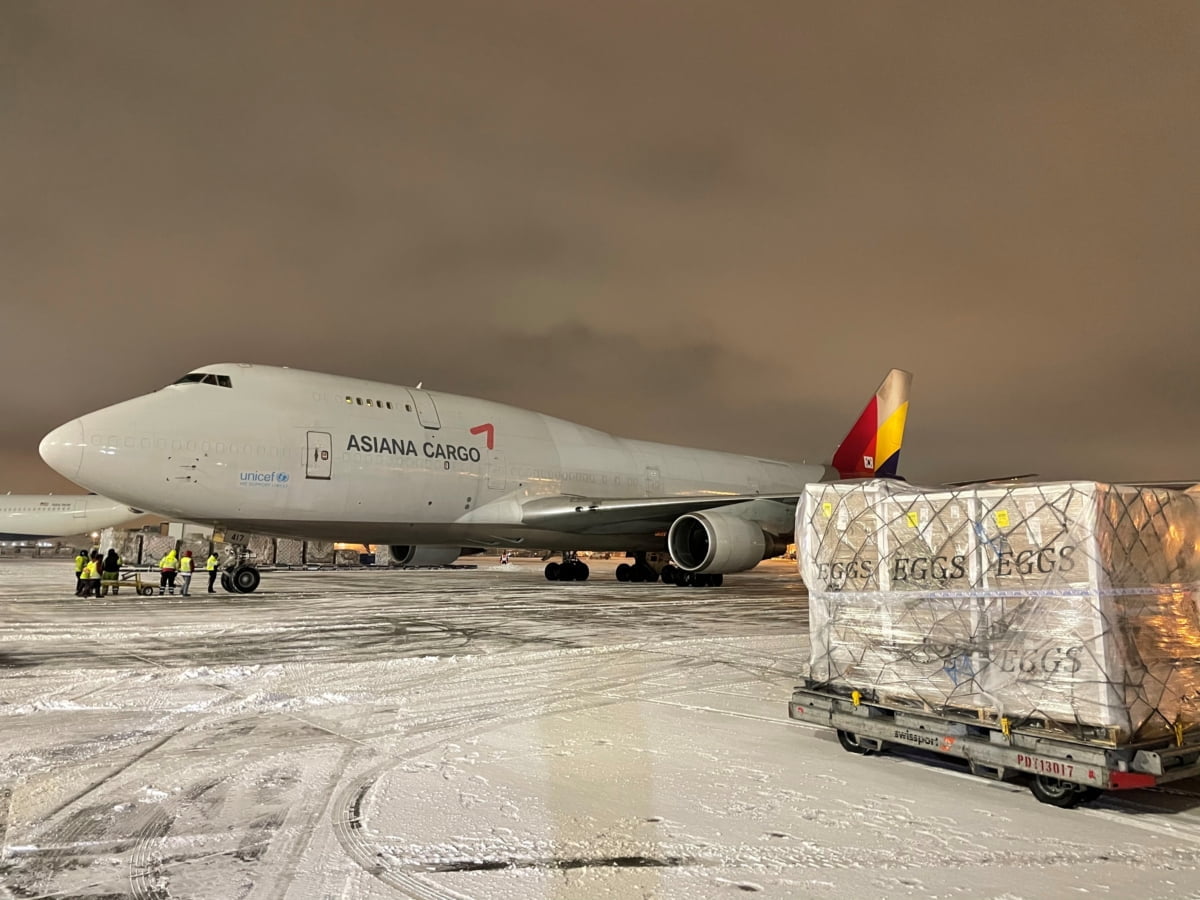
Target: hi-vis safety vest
80	562
211	565
185	565
91	570
169	562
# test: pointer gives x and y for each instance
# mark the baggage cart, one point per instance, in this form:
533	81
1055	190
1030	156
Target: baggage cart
144	588
1064	771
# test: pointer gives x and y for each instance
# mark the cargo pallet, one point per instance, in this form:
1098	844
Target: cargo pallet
1065	771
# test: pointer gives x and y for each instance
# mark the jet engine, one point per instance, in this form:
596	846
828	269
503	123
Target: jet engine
716	543
424	554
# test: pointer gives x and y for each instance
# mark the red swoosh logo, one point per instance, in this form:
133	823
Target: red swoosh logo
490	430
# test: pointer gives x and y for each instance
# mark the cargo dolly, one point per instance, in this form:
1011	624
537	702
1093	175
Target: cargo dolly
1066	771
144	588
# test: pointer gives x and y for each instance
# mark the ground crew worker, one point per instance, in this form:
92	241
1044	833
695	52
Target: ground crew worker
85	575
111	573
81	560
166	568
185	571
91	576
211	567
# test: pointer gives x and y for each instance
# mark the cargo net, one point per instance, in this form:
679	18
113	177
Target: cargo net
1070	607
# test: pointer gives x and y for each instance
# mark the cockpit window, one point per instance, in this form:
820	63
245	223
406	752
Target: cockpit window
206	378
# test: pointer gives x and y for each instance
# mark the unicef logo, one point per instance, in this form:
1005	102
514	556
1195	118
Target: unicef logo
264	478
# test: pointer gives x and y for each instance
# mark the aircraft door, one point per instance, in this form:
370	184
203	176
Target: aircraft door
320	455
496	479
427	412
653	482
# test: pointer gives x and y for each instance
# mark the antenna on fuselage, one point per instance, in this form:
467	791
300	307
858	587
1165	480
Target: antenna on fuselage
419	383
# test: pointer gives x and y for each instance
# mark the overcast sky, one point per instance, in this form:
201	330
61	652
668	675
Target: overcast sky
705	223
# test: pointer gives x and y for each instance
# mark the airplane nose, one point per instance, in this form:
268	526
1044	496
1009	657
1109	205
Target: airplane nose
62	449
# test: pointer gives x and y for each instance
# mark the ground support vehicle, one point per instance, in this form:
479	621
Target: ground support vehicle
1064	771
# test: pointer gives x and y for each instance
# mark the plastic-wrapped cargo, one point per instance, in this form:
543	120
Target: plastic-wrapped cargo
1071	606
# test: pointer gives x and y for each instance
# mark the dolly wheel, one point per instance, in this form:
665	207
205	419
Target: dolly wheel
851	742
1063	794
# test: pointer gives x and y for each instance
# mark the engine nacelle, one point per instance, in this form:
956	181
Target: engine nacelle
716	543
424	554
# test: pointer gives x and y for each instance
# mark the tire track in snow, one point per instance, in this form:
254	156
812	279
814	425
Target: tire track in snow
572	693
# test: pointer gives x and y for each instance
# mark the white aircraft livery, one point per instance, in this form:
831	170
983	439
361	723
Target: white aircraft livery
285	452
25	517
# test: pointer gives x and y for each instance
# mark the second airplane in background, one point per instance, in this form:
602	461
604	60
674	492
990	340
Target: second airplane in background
290	453
25	517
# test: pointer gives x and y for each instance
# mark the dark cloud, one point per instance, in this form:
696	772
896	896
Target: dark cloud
674	221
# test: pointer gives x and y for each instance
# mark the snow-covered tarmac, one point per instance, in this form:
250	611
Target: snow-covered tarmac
487	734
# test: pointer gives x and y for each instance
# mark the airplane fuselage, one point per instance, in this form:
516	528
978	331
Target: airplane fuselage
26	517
309	455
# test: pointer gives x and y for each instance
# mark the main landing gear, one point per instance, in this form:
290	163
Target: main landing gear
646	568
240	576
642	569
677	576
570	569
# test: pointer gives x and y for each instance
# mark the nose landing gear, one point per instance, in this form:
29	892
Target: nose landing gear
240	576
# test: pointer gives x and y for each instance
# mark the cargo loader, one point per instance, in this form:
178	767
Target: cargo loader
1063	772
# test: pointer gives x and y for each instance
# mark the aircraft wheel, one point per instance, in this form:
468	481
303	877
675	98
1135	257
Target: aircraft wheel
227	583
624	572
716	580
553	571
582	571
245	579
649	575
667	574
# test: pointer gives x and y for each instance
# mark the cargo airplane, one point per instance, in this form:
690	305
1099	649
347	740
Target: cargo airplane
259	449
27	517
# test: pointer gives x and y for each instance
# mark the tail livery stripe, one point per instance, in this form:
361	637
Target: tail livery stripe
887	443
872	448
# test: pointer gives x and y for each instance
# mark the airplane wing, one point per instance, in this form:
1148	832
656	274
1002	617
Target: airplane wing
999	479
585	515
1173	485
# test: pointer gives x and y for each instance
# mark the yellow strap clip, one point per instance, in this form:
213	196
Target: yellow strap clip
1179	732
1005	726
855	698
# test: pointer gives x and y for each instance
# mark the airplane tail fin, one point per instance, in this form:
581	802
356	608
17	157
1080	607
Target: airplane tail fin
872	448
